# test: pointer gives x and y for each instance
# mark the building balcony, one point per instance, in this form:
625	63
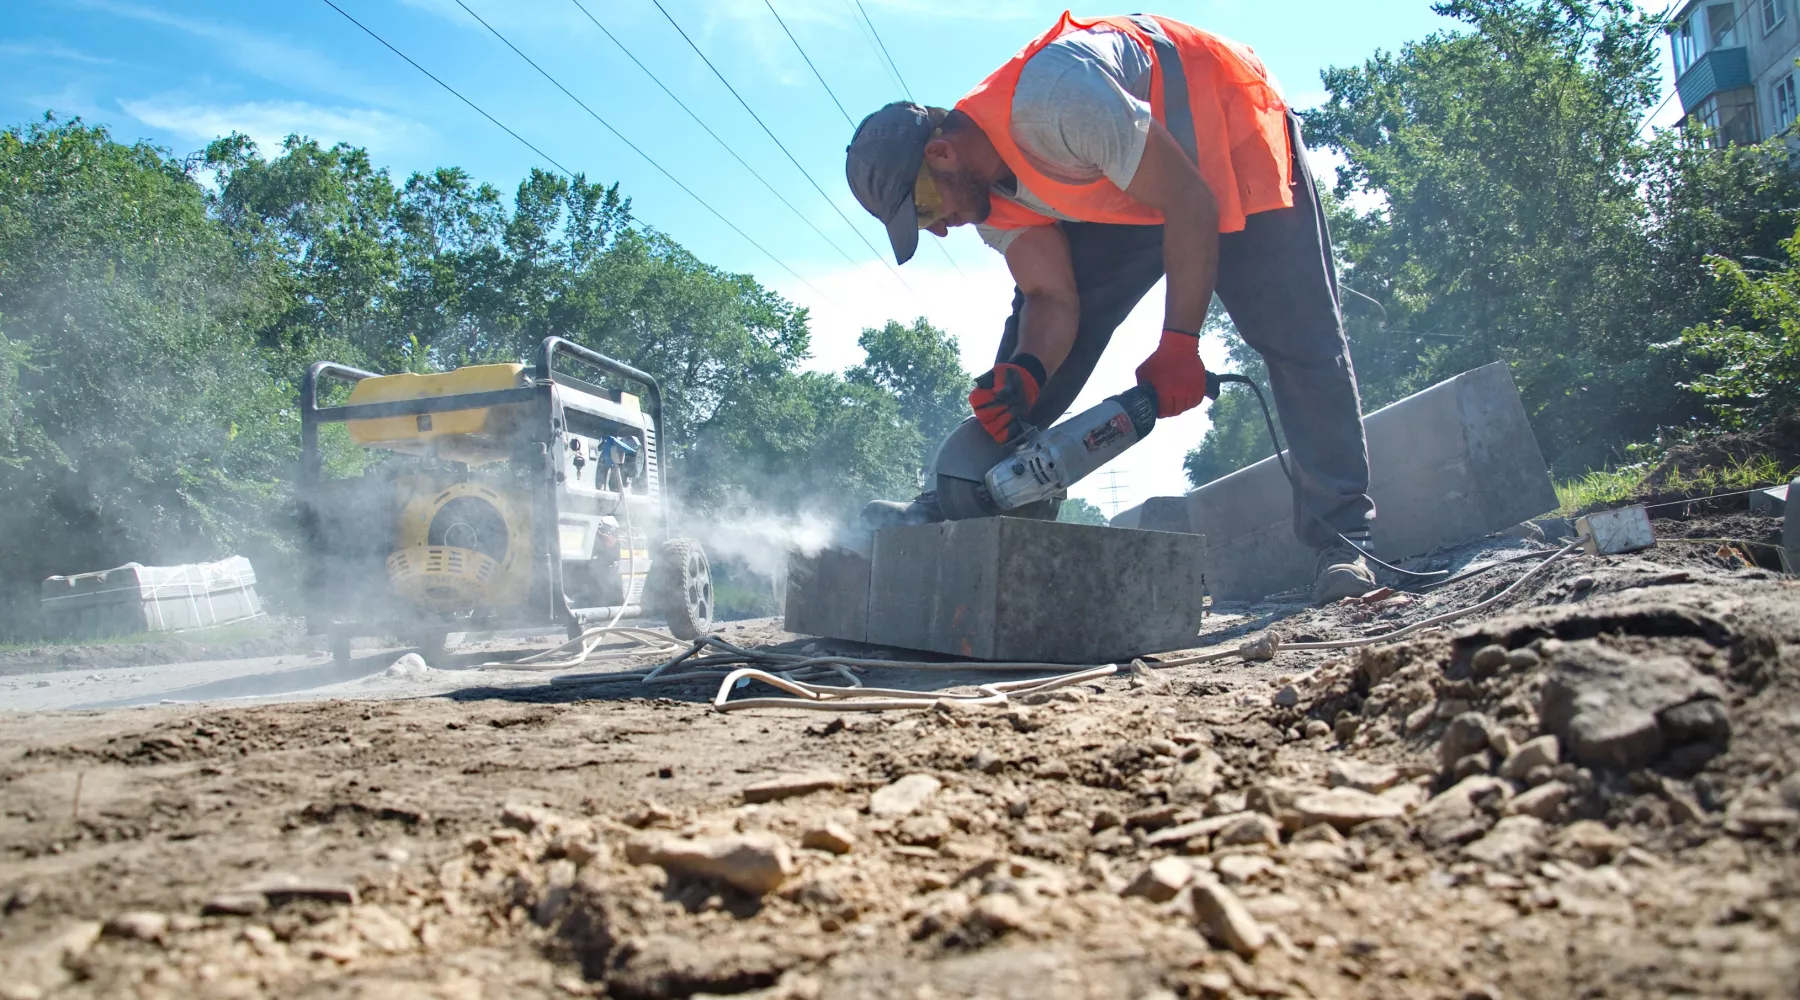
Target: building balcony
1718	70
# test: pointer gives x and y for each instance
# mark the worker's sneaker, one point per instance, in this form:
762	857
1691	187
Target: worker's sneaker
922	509
1341	571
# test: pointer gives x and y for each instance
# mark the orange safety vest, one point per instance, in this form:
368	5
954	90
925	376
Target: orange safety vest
1239	125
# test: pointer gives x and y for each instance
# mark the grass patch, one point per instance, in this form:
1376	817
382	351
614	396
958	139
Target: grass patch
1611	487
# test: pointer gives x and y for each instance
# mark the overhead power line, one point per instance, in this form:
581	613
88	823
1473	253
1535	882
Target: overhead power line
722	143
453	91
884	51
809	65
782	146
634	147
862	29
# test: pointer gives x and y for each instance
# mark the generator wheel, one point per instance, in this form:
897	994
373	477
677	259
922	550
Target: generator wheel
682	587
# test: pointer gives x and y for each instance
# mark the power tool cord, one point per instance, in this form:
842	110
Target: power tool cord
1281	457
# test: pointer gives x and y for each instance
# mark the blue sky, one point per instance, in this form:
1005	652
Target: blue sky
179	72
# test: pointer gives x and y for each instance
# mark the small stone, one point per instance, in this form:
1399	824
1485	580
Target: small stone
987	762
1544	751
1344	808
138	925
1540	802
1153	818
1419	719
1524	659
1480	762
903	797
1238	869
791	785
1362	776
280	890
1162	880
1511	841
1538	775
829	836
1766	821
1590	843
1346	728
1105	819
998	913
1318	833
235	904
526	818
1222	914
1317	729
755	862
1252	829
1467	733
1704	721
1789	790
1287	697
929	830
1488	660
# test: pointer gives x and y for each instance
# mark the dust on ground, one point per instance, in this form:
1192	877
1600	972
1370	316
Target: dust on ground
1382	823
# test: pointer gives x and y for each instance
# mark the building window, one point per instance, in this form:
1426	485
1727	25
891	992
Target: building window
1787	106
1687	46
1721	22
1773	13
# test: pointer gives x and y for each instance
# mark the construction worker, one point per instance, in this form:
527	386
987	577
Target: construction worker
1112	151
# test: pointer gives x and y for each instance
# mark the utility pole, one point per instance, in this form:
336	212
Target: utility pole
1112	489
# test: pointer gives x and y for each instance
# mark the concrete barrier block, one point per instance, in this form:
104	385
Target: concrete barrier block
1450	463
1155	514
1790	530
828	594
1005	588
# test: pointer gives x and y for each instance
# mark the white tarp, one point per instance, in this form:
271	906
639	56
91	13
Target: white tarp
138	598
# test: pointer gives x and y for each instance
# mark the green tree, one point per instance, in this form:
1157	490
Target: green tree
1075	510
1520	216
922	366
1758	373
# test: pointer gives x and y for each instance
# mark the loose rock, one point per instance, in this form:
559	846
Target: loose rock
903	797
1362	776
1468	733
756	863
1544	751
829	836
790	785
138	925
1344	808
1252	829
1540	802
1222	915
1604	704
1511	841
1162	880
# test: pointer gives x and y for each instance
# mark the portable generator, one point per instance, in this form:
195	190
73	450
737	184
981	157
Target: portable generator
509	496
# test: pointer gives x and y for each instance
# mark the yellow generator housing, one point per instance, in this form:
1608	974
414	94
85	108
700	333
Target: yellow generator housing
518	496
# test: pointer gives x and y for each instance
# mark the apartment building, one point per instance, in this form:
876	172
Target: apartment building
1734	67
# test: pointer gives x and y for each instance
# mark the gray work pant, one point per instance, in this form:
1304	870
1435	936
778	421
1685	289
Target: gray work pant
1279	285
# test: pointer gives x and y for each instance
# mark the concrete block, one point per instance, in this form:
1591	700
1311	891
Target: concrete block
1003	588
1771	502
828	594
1790	533
1451	463
1155	514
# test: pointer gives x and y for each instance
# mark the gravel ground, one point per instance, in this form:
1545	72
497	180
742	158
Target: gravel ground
1386	823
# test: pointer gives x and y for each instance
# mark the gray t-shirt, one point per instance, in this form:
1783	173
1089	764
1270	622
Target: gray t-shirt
1081	112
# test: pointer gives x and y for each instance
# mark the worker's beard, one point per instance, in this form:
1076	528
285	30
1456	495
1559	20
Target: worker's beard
964	188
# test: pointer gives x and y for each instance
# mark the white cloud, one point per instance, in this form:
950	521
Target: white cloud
271	58
269	122
51	50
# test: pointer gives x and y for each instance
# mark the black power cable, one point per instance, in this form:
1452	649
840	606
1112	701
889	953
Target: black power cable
722	143
884	50
634	147
779	144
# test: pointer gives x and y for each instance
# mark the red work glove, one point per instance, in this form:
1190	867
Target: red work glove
1176	373
1003	397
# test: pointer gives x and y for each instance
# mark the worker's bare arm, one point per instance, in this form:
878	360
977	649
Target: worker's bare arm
1040	264
1168	181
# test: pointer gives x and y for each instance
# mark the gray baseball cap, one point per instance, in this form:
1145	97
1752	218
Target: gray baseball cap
882	162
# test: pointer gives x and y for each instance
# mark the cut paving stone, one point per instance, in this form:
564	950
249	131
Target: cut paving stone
1005	588
828	594
1454	462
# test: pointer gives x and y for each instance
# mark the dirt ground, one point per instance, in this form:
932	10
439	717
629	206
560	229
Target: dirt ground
1369	823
